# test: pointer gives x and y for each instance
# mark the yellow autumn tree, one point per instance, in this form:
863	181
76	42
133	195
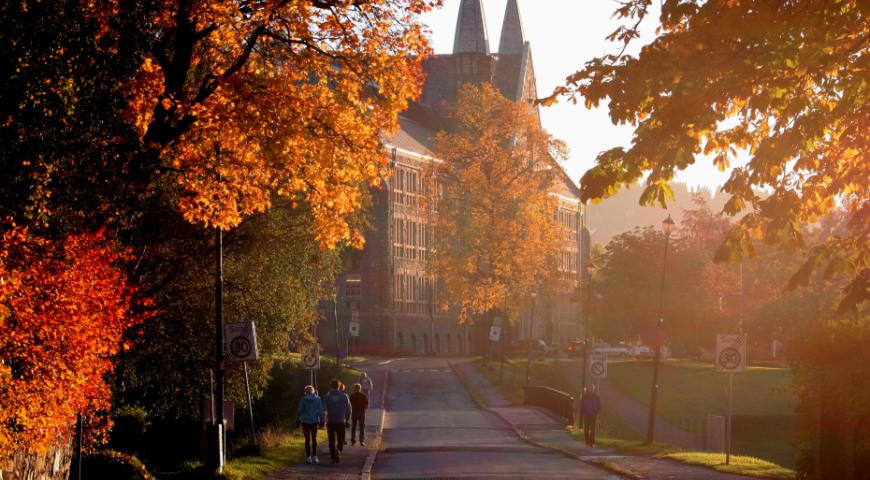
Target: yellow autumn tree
495	226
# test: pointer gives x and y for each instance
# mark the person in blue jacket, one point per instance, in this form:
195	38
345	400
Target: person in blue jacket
310	415
338	410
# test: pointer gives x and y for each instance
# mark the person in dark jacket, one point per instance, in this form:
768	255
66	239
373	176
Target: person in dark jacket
590	405
337	418
359	402
310	416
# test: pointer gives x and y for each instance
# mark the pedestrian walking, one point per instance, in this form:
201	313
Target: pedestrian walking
590	405
309	414
338	411
365	382
359	402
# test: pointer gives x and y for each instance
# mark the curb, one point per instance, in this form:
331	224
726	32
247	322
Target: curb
523	436
470	389
366	472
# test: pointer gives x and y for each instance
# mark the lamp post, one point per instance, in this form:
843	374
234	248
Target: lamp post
667	226
590	269
531	334
335	322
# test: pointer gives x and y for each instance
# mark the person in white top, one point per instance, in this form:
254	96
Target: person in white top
366	383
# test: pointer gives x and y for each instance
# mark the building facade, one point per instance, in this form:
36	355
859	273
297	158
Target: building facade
388	287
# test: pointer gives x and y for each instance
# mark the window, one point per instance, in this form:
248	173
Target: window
353	285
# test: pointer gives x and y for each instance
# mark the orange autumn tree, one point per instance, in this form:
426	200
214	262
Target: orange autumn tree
496	232
242	101
63	309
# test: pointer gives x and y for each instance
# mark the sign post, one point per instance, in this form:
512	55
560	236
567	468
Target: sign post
598	368
494	333
242	347
353	327
310	357
730	359
598	365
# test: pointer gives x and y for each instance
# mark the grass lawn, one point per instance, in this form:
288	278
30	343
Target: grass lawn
739	464
763	403
282	451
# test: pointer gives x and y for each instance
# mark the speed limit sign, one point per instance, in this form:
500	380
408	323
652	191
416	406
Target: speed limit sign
310	357
731	353
241	341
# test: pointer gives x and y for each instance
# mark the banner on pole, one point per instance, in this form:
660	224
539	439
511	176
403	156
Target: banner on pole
731	353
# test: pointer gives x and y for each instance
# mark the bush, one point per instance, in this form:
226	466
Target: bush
278	404
128	432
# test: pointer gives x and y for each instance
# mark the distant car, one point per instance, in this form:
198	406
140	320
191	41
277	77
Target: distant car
522	347
575	348
640	351
612	351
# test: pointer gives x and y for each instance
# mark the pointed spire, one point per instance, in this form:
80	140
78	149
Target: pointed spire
512	38
471	34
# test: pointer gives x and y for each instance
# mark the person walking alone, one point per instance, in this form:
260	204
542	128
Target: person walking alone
365	382
359	402
338	411
310	416
590	405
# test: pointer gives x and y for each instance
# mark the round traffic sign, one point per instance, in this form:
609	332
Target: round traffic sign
241	347
597	369
309	360
729	358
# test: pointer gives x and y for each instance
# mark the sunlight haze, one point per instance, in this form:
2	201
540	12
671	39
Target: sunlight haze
564	35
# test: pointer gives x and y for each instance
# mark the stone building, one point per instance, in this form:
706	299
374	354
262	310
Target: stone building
387	287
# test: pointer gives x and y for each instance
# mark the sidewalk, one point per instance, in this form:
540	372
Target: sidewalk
633	414
353	458
545	430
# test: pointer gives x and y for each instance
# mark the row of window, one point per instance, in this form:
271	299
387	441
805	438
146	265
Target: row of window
409	186
569	223
411	239
412	292
569	261
420	344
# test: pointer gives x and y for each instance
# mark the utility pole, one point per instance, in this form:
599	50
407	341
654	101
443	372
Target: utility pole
667	226
531	334
335	321
216	459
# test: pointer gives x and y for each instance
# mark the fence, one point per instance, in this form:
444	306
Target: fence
554	400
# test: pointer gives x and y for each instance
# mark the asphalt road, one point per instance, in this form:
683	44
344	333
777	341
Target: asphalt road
433	429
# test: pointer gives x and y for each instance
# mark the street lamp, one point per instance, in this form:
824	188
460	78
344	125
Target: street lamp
590	269
531	333
667	226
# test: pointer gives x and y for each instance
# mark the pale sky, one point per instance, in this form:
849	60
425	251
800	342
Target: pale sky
564	35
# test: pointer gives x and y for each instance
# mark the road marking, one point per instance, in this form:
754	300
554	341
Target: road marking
422	370
387	362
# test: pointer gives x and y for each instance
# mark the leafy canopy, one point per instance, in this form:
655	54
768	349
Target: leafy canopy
785	81
248	100
64	307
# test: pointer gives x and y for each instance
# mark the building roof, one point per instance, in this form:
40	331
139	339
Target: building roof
510	71
512	38
471	36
